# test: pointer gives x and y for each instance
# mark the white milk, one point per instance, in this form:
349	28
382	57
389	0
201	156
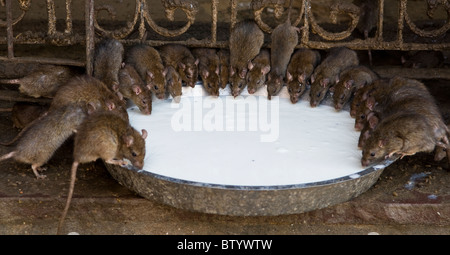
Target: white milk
248	141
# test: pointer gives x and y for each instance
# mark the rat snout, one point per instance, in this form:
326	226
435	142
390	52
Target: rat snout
353	113
313	103
138	164
191	84
294	98
338	106
160	95
365	162
359	126
251	91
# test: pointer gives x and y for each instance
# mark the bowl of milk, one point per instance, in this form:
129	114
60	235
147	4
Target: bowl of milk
247	155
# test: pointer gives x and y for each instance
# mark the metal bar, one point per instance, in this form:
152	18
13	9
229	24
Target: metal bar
379	34
42	60
214	4
9	30
90	43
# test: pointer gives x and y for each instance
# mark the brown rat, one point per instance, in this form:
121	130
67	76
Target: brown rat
224	57
327	73
38	142
350	80
401	134
368	19
173	84
108	60
300	68
44	81
259	67
386	97
106	136
85	89
132	87
181	58
284	39
23	114
209	69
245	42
148	63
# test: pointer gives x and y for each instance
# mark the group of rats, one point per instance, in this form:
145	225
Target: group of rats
396	116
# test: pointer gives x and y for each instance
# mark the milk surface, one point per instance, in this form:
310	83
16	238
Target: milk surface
247	140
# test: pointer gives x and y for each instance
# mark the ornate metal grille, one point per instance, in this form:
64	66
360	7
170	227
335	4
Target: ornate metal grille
314	35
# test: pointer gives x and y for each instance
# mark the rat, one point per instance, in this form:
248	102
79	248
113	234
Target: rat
284	39
39	141
107	136
246	40
86	89
350	80
403	134
368	19
258	69
370	125
132	87
23	114
44	80
173	84
327	73
209	69
148	63
224	57
108	60
181	58
386	96
299	70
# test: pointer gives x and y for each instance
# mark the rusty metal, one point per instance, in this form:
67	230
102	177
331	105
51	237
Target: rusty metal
314	35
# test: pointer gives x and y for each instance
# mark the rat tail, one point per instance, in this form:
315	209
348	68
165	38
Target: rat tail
73	175
10	81
7	156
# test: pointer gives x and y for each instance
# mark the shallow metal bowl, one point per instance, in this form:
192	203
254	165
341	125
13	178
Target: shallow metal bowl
247	200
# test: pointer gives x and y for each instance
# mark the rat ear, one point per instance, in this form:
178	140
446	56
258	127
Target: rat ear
150	75
144	134
196	61
217	70
181	65
231	71
250	65
312	78
324	82
205	73
122	65
289	76
373	121
370	103
302	78
115	87
119	95
91	108
381	143
128	140
265	70
348	84
165	71
137	89
110	105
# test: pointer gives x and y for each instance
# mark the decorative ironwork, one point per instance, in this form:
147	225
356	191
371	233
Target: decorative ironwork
314	35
